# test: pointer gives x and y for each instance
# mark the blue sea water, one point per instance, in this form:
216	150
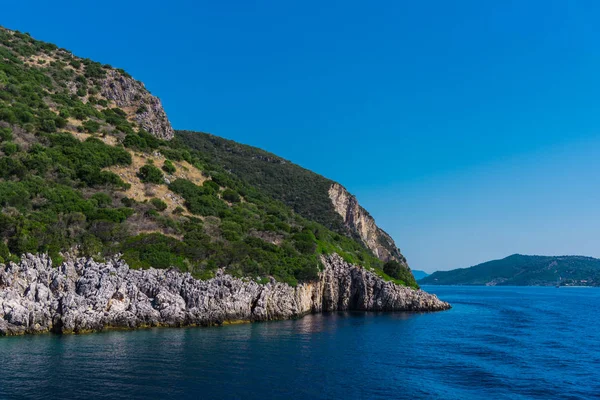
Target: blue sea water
496	343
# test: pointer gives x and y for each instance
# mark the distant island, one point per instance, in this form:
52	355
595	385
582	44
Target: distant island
523	270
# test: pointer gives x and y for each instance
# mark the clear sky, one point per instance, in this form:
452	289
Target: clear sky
469	129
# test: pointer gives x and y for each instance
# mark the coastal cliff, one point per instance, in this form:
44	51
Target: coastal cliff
83	296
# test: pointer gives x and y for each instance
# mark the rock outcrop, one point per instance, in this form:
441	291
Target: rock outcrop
132	96
359	221
83	295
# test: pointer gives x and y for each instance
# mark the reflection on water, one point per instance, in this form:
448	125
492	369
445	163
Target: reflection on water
495	342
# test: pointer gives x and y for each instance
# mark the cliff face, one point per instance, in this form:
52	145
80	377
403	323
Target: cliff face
358	220
83	295
140	105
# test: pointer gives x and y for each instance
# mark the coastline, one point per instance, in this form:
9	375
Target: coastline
84	296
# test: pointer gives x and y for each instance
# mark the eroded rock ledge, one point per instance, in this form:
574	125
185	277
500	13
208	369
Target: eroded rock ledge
83	296
359	221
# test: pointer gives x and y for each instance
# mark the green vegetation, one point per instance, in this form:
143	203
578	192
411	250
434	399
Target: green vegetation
168	167
158	204
141	140
521	270
231	196
303	190
399	272
150	174
57	194
306	192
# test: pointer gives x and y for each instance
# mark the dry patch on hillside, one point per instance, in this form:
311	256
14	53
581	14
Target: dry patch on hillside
108	139
39	60
140	191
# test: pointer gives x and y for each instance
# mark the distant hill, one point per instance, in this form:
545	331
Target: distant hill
419	274
522	270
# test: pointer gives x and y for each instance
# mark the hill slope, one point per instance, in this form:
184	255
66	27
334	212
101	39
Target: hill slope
88	167
307	193
522	270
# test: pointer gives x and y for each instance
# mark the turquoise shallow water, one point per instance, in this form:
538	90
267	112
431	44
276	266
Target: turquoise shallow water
495	343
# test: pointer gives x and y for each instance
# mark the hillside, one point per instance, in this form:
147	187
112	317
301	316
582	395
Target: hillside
89	167
307	193
522	270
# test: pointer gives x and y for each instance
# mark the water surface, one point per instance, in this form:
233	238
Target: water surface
495	343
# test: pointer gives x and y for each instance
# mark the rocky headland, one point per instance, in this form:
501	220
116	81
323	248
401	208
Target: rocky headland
82	295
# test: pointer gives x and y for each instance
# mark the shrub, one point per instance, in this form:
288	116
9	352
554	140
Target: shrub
91	126
392	268
152	250
48	125
110	214
102	199
398	271
231	196
178	210
94	69
168	167
5	134
4	252
231	231
64	113
158	204
141	140
91	245
127	202
133	140
150	174
305	242
211	186
10	148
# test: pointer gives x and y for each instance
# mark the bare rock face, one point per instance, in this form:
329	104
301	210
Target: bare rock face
132	96
83	296
358	220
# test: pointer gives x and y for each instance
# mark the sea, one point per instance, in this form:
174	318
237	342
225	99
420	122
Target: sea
495	343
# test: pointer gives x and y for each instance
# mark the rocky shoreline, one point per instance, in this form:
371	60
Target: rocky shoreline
85	296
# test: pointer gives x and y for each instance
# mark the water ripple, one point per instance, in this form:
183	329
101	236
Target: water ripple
500	343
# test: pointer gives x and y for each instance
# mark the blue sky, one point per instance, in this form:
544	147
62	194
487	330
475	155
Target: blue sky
469	129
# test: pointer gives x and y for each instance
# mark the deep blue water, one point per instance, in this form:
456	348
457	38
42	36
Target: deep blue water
495	343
